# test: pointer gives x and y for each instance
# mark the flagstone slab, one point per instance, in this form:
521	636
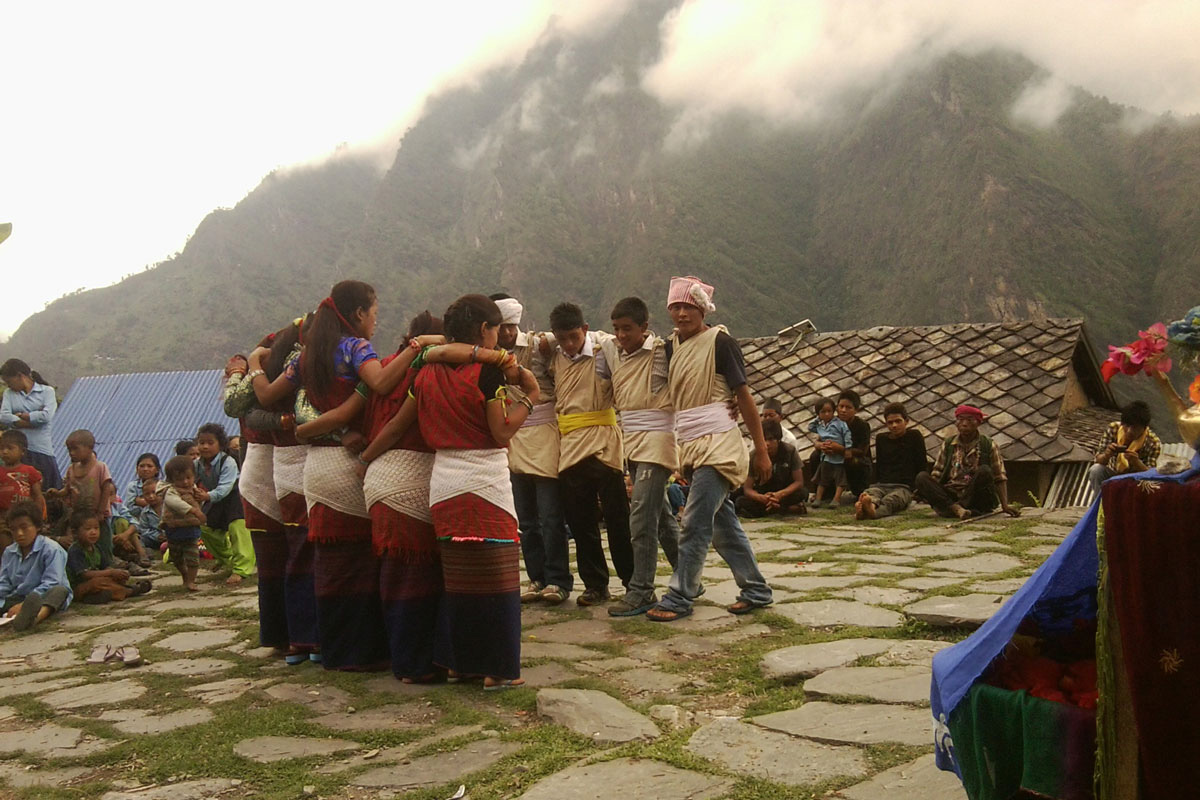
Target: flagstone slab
852	723
706	618
54	660
390	684
269	749
742	632
898	546
940	551
810	583
390	755
750	750
190	666
439	768
121	637
884	684
806	660
878	595
1002	586
877	558
665	651
224	691
915	652
600	665
916	780
43	642
967	609
885	569
800	555
627	778
576	630
20	777
830	613
191	641
322	699
210	601
32	683
201	622
52	741
643	680
927	582
136	721
79	622
394	717
205	789
981	564
594	714
568	652
108	693
547	675
764	545
1043	550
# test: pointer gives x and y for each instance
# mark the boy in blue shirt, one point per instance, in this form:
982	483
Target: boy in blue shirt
33	571
831	474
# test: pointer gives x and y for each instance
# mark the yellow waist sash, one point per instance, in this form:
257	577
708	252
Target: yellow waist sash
585	419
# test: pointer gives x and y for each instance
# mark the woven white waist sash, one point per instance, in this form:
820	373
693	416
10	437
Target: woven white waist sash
541	415
331	479
648	420
400	480
289	469
256	481
703	420
481	472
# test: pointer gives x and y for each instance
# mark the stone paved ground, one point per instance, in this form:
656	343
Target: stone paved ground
823	695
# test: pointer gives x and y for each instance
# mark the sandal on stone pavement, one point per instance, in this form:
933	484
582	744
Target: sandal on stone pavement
129	655
660	614
100	654
744	607
500	686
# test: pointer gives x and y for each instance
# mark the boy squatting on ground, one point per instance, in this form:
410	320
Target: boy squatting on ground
833	438
639	385
899	457
182	517
92	575
784	493
706	373
33	575
591	458
18	481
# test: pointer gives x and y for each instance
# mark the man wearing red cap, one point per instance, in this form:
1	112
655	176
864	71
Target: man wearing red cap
968	479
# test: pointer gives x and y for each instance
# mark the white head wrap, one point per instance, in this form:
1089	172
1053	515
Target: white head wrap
510	311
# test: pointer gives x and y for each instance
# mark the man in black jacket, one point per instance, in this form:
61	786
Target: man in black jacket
899	457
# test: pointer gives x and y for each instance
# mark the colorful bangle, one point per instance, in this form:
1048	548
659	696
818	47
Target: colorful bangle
474	353
414	344
501	356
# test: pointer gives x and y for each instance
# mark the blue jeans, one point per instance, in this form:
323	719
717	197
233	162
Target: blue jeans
650	524
543	531
709	517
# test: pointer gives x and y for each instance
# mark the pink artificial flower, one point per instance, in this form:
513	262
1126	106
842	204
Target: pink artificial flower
1147	354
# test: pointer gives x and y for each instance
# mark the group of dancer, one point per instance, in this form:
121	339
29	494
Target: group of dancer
378	491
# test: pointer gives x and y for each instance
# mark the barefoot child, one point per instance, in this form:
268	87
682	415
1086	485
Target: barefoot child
225	534
33	577
92	575
18	481
88	485
182	518
833	437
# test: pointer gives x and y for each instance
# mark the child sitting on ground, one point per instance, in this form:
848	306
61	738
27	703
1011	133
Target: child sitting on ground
182	518
17	481
33	577
784	493
92	575
831	473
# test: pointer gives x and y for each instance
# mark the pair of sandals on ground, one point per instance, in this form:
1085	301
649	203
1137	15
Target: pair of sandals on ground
125	654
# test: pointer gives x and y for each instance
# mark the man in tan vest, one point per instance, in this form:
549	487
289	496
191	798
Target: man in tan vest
533	464
590	455
639	382
706	373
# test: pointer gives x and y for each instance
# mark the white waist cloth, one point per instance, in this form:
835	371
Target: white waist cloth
541	415
256	481
703	420
647	420
331	479
289	469
400	480
481	472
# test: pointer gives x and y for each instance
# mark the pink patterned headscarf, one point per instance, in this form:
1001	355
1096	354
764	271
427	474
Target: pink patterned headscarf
693	291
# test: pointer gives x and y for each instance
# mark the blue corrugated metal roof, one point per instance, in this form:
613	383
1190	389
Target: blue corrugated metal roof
142	412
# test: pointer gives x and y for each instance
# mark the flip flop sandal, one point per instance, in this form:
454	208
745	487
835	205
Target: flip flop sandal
515	683
100	654
129	655
742	607
295	659
675	615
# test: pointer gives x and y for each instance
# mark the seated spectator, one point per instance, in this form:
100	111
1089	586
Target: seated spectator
784	492
858	454
1127	446
968	478
833	439
899	457
90	570
187	447
18	480
772	409
33	575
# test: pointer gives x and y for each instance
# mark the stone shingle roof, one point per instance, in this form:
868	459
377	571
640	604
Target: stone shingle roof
1017	372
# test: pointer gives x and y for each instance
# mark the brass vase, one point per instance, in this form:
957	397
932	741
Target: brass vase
1187	418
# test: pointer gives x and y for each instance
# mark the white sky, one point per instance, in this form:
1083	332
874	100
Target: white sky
123	124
